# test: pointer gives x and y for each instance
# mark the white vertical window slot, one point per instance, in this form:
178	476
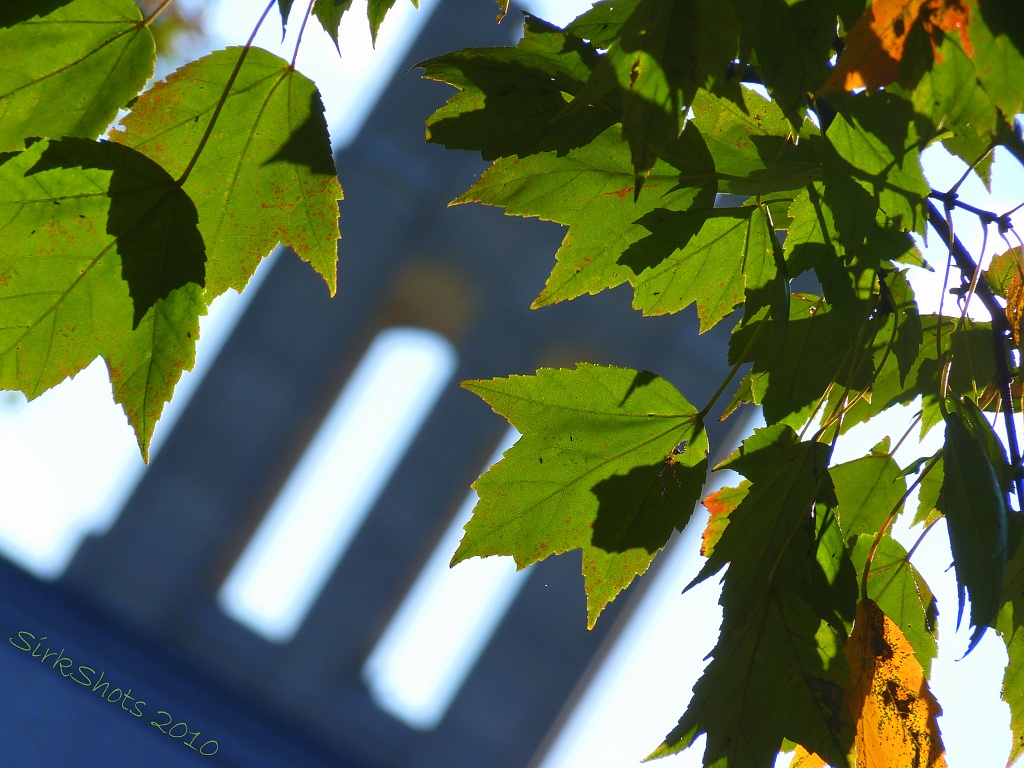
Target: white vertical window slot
336	482
442	626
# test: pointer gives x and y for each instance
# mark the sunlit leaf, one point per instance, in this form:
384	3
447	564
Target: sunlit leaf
1010	625
595	470
329	13
875	46
889	699
101	255
265	176
720	505
590	189
708	257
995	42
900	591
66	73
753	144
655	79
867	489
377	9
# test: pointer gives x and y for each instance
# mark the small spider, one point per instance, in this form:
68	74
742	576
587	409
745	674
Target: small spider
670	461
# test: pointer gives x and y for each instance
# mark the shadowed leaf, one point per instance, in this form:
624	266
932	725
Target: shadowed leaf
777	670
101	255
976	516
266	175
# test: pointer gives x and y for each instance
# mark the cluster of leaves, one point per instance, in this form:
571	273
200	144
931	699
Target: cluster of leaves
627	126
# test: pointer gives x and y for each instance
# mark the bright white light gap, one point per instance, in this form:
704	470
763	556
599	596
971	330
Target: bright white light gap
336	482
442	626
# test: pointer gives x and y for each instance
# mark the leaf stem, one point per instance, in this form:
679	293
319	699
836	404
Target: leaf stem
305	18
223	97
156	12
1000	334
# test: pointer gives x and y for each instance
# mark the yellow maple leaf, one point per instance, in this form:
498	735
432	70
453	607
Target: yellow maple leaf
888	697
1015	306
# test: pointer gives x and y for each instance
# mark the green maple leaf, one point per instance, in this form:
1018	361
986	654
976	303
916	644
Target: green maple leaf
995	39
101	255
901	592
266	175
793	368
602	23
877	142
285	6
752	144
513	101
590	189
655	79
708	257
1010	625
594	470
777	670
976	517
792	45
867	490
52	63
329	13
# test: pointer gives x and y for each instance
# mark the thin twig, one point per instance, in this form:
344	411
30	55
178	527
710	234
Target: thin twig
1000	334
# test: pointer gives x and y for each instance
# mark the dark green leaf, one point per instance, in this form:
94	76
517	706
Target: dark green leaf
595	469
285	7
976	517
792	370
778	669
329	13
792	43
601	24
512	101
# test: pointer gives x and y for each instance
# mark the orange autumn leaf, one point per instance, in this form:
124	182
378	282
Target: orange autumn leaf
874	45
888	698
720	505
804	759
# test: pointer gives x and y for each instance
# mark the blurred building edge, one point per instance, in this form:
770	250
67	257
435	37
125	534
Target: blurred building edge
141	601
